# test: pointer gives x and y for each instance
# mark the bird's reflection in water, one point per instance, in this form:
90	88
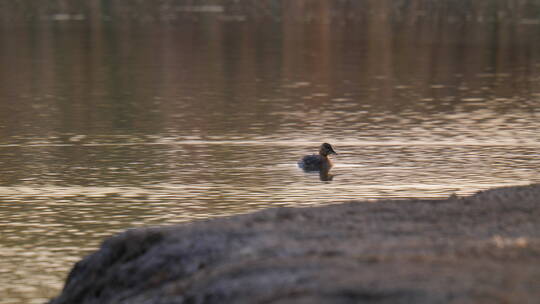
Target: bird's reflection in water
325	175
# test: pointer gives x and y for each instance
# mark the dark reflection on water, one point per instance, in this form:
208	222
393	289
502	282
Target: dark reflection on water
108	124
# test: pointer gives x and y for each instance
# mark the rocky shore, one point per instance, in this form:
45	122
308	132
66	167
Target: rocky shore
479	249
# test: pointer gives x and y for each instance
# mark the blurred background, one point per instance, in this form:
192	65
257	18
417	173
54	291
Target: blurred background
118	114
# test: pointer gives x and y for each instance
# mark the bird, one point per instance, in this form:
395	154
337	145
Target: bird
318	162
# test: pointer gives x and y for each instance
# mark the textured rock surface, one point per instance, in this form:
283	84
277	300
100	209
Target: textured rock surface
480	249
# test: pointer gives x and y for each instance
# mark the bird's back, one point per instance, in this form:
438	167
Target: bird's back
311	162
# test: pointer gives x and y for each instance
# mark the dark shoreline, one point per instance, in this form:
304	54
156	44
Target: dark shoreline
484	248
146	11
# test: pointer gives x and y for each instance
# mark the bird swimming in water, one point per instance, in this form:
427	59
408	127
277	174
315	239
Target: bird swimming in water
318	162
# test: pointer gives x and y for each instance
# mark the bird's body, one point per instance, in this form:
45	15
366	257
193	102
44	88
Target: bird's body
314	162
318	162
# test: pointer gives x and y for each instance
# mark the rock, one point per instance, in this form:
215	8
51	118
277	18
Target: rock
480	249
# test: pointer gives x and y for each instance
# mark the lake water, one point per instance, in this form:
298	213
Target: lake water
110	125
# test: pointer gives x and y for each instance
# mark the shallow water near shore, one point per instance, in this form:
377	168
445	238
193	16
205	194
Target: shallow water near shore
168	123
